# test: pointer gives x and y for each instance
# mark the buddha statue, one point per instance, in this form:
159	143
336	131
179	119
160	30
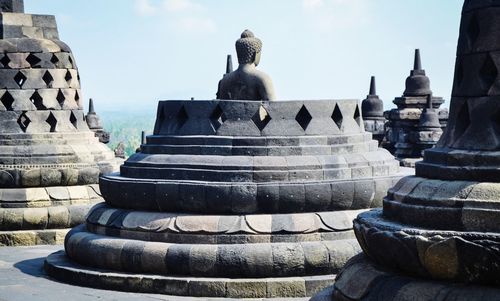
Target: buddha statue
246	82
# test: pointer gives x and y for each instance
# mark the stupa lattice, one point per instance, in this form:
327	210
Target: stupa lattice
49	159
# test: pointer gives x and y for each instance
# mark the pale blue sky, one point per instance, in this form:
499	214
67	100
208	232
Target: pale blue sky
131	53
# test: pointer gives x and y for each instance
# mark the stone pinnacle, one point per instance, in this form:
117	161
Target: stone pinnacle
417	65
229	64
91	106
373	87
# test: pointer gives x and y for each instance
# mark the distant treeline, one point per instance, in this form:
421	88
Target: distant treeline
126	127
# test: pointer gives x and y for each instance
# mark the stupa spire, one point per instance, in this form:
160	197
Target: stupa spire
417	65
229	64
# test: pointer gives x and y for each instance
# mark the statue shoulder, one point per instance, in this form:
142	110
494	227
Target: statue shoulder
262	77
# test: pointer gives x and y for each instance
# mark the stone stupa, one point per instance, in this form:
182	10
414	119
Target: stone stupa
438	236
404	137
372	110
49	159
233	198
95	124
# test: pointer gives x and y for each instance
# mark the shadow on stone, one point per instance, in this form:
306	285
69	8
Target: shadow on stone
33	267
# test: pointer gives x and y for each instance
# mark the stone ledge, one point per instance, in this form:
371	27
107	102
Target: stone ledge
33	237
226	229
246	197
245	260
61	268
362	280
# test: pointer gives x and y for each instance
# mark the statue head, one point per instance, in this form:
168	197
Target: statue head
248	48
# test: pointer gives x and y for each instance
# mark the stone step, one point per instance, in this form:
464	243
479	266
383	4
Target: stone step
61	268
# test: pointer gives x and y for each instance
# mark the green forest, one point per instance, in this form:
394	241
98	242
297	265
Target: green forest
127	128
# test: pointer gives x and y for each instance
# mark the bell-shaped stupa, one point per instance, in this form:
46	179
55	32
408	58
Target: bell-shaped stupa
49	159
95	124
233	198
404	136
438	235
372	110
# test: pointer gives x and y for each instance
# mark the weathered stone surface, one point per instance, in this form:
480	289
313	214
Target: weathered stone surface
374	282
46	144
233	198
443	223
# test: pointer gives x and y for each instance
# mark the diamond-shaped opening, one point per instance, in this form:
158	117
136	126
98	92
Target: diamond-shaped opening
473	30
303	117
52	121
33	60
68	76
357	116
23	121
261	118
54	60
77	97
73	120
70	59
337	116
7	101
47	78
182	117
462	121
37	100
60	97
217	118
488	72
20	79
5	61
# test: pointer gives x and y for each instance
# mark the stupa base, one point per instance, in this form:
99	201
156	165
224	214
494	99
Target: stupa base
60	267
362	280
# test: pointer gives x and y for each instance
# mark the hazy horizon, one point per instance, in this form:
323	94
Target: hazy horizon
132	53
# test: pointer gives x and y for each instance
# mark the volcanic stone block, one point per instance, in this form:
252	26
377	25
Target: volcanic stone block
58	217
12	6
44	21
207	289
35	218
18	18
203	260
246	289
292	288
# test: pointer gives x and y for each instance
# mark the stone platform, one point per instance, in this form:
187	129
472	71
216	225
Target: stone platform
240	198
22	277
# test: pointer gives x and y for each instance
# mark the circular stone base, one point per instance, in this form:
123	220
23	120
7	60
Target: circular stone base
33	237
59	266
361	280
460	256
